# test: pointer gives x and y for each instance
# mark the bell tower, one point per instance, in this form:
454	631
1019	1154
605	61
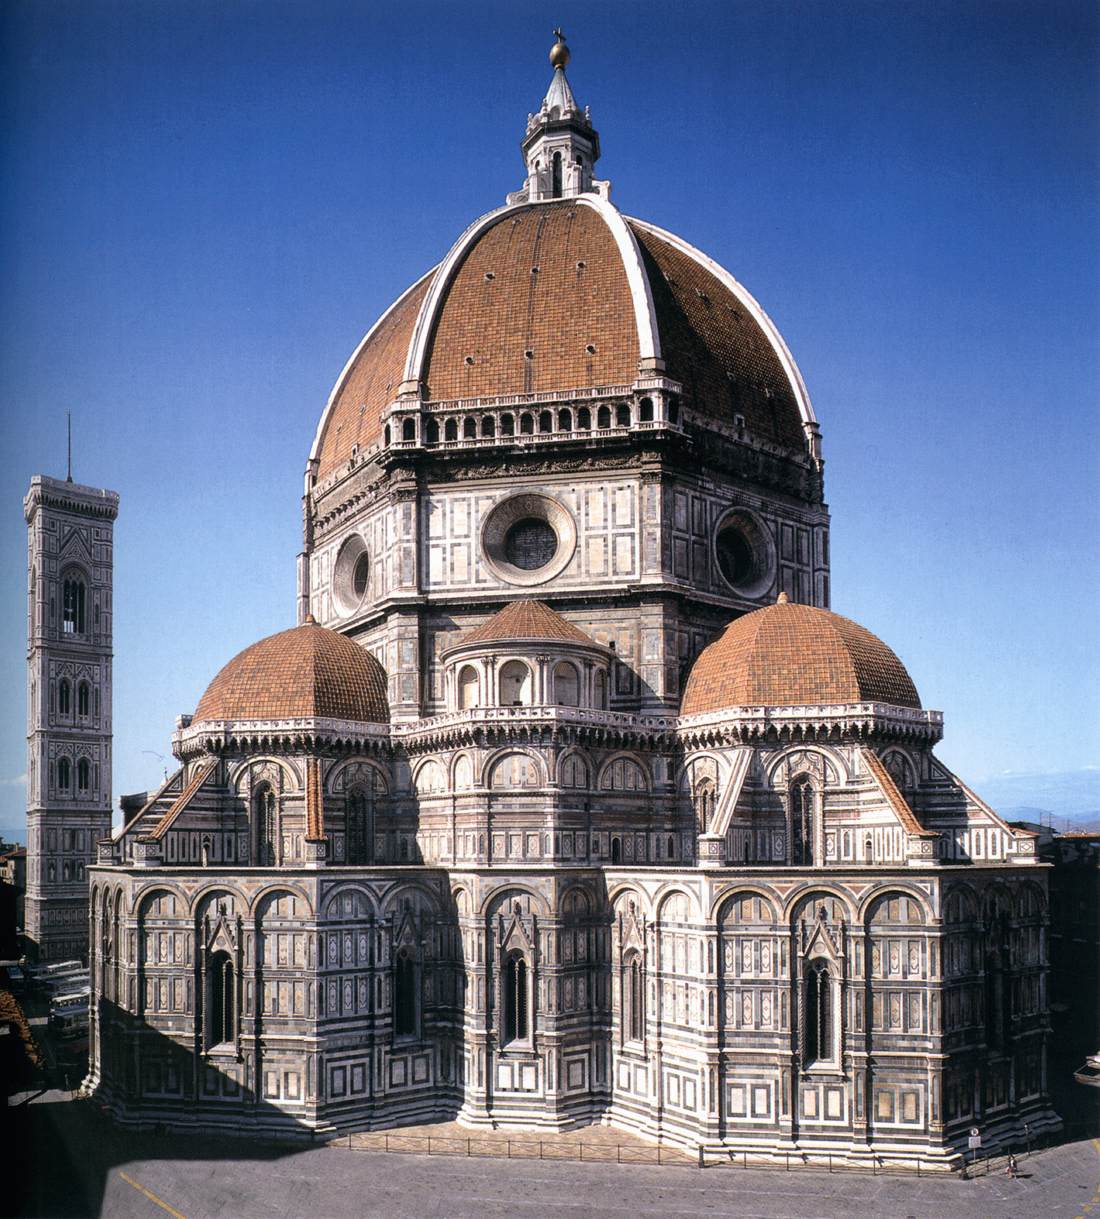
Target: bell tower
70	564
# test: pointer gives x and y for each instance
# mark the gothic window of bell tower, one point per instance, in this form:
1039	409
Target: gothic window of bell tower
73	600
83	700
64	775
64	697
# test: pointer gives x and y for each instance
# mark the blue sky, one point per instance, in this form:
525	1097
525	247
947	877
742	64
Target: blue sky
205	205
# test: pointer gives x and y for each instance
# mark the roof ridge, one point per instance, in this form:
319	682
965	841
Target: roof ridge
513	621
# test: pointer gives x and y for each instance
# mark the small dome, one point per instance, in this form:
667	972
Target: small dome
788	655
520	620
307	672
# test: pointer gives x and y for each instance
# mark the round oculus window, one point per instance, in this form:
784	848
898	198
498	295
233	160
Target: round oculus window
735	558
530	544
351	575
360	574
744	553
528	538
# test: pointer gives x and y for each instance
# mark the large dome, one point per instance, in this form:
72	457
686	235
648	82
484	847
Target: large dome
564	294
308	672
789	655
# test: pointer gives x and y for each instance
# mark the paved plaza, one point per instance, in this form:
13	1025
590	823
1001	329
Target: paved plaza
75	1163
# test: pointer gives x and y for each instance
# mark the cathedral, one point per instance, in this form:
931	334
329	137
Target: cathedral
568	799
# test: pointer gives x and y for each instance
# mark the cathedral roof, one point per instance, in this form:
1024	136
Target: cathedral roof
789	655
308	672
527	620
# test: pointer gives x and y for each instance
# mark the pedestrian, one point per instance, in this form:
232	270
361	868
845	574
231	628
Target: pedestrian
1011	1168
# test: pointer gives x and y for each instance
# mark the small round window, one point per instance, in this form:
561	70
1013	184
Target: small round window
530	544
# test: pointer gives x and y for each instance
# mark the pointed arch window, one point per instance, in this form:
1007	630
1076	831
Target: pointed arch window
802	822
404	994
555	174
360	823
633	998
83	775
83	700
704	805
516	1015
64	697
221	999
266	824
818	1037
73	599
64	774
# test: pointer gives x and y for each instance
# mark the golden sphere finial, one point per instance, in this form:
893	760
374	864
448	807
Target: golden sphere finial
559	52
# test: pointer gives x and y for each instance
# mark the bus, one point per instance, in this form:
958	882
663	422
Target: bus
43	974
63	984
72	1022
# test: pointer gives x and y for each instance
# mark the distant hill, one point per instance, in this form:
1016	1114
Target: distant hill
1071	796
1089	823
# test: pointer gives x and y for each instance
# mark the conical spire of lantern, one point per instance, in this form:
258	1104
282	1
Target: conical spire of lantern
560	145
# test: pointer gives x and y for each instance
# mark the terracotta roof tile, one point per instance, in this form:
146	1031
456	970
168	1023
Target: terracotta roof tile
370	384
715	347
527	620
315	801
789	655
308	671
575	315
885	782
498	307
184	799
